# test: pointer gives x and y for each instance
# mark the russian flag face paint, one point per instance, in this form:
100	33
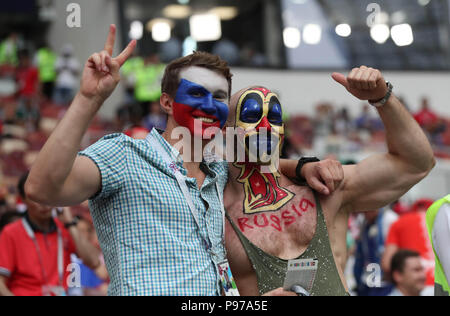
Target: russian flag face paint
203	99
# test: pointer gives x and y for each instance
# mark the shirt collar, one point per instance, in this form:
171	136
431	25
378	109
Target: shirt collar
206	165
169	149
36	229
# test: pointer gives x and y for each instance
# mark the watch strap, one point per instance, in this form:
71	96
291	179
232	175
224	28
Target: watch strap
384	100
303	161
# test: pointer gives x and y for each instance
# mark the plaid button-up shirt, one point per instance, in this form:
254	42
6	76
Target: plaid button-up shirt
150	240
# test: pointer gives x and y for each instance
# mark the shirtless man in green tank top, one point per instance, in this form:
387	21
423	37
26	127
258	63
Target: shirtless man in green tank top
272	220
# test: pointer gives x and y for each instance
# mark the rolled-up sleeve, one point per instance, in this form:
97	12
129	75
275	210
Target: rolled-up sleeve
109	154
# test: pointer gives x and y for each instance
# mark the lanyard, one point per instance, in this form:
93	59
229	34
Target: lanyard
31	234
184	189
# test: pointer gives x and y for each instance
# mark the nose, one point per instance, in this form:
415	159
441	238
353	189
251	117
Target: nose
208	106
264	124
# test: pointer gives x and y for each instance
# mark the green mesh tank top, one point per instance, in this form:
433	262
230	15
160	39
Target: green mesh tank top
271	271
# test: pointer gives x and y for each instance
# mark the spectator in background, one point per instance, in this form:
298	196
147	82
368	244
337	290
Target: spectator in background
407	273
9	218
156	118
8	51
369	250
30	251
343	123
227	50
430	121
410	232
426	117
323	127
148	82
129	71
364	120
367	122
27	77
68	68
93	283
251	56
45	60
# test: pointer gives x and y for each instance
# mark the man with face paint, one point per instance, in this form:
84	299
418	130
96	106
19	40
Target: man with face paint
157	212
271	221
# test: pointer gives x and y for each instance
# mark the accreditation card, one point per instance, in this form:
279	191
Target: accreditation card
227	280
301	272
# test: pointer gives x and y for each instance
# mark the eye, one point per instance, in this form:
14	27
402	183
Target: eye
251	110
275	115
220	97
197	93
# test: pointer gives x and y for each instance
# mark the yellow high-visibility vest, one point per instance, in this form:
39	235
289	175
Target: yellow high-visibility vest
46	65
148	83
440	280
8	58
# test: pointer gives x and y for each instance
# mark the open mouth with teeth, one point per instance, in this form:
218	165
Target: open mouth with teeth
206	119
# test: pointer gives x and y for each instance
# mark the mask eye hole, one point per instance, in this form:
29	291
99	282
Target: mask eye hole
251	109
275	115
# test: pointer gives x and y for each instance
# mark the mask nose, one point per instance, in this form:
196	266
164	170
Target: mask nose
264	125
208	106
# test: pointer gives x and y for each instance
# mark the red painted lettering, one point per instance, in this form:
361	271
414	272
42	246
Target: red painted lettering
296	211
266	221
289	219
305	204
277	222
243	223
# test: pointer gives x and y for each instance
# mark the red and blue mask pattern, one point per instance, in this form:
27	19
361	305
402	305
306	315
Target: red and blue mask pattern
192	102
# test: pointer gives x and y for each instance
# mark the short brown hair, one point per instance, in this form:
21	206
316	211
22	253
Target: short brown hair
398	261
171	79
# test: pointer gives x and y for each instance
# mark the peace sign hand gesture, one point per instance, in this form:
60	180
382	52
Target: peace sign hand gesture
101	71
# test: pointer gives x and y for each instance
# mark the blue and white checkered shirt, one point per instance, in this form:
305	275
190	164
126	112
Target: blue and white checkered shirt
150	240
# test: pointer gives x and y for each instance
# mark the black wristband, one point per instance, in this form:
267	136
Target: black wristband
303	161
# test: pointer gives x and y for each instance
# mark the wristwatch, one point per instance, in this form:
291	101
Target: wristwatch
383	101
303	161
72	223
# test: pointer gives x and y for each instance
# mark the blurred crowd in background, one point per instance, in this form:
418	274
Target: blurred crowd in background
389	250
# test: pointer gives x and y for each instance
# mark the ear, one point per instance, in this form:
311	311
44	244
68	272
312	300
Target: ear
166	102
397	277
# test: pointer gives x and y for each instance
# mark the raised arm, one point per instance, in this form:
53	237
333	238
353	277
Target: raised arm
383	178
59	177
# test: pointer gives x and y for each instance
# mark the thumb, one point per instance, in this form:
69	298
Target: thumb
341	79
318	186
